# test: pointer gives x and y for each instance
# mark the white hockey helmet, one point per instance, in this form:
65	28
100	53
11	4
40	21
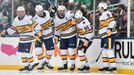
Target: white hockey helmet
61	7
78	14
102	5
21	8
38	8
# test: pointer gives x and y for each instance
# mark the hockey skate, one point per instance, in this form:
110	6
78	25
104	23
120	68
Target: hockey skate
84	69
113	70
31	67
104	69
81	69
72	68
63	68
49	66
42	67
24	69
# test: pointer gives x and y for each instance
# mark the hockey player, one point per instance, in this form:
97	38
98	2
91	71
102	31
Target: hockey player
24	26
66	31
107	32
85	33
45	34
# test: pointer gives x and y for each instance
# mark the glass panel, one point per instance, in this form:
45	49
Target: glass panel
132	18
5	14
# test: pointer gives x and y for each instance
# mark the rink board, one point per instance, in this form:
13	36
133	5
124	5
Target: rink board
124	51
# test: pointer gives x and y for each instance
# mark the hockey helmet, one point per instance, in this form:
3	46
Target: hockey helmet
102	5
61	7
78	14
38	8
21	8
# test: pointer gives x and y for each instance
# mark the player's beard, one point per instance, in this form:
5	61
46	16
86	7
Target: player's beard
61	15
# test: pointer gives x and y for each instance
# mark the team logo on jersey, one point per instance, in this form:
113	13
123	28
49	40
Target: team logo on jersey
66	18
108	15
83	22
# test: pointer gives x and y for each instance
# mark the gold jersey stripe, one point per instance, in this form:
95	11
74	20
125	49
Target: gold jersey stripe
66	25
105	59
68	34
110	19
72	57
104	23
24	59
26	28
112	60
33	25
46	25
48	35
41	56
103	34
48	56
82	58
63	57
27	39
31	59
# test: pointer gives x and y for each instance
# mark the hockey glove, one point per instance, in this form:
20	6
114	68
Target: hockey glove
73	22
3	34
37	39
38	36
85	44
56	40
109	33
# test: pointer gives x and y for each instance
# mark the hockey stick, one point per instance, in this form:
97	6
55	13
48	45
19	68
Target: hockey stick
92	62
109	43
99	55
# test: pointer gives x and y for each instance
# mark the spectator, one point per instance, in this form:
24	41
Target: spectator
64	2
30	9
1	1
132	18
121	17
5	20
72	5
1	27
84	10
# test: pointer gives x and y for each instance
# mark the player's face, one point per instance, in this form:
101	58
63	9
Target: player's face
21	13
40	13
100	9
61	13
78	19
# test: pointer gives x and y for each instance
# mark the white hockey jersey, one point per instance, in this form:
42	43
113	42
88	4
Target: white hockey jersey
46	25
63	27
84	29
107	22
24	27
